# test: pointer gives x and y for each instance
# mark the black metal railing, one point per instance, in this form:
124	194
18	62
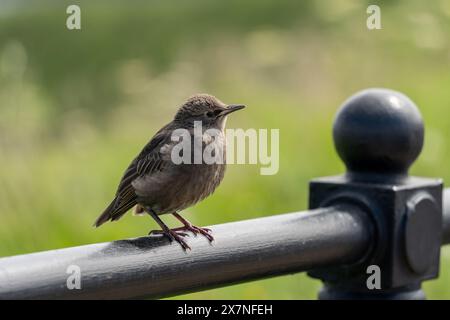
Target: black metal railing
375	214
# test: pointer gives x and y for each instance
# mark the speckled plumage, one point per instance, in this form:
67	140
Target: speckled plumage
178	187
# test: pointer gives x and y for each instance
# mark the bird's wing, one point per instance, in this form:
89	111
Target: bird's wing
147	162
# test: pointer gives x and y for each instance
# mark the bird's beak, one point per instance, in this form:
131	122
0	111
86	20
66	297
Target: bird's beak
232	108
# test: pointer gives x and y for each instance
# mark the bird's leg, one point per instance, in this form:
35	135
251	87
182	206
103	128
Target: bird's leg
171	234
190	227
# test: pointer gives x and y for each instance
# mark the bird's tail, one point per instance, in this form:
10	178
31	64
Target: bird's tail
106	215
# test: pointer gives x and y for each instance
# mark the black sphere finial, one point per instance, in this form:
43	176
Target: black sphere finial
378	131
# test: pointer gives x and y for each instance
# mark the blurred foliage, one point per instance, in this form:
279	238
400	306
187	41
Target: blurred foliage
76	106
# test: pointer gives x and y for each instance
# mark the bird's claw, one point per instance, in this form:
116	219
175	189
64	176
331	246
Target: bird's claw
177	234
177	231
173	235
178	237
206	232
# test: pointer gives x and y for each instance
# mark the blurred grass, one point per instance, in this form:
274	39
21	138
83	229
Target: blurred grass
76	106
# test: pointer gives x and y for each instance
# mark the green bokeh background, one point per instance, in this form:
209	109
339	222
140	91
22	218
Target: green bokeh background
76	106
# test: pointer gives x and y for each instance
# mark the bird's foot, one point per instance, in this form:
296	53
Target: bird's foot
190	227
174	235
198	230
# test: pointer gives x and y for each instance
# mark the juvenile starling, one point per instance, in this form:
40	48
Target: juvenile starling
156	185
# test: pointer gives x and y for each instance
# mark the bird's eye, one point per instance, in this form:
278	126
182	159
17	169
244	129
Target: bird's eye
214	113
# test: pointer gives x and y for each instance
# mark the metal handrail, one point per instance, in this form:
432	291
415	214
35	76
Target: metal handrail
150	267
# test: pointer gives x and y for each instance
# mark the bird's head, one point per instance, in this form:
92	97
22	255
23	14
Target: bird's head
205	108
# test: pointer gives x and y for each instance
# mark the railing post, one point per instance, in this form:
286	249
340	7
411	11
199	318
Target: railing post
378	134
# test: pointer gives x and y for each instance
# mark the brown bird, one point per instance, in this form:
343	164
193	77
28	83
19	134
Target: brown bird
156	184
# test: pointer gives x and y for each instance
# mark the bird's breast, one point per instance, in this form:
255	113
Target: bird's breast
179	186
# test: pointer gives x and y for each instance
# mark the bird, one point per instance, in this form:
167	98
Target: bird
154	184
